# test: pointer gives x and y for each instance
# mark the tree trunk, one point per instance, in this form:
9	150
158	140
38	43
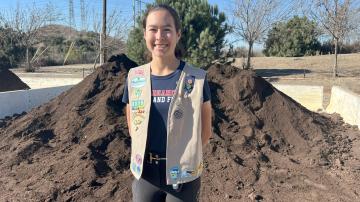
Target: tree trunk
248	63
335	69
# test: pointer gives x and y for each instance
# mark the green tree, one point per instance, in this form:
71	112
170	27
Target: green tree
296	37
203	32
11	51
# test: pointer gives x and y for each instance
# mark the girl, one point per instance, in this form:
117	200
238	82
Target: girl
168	114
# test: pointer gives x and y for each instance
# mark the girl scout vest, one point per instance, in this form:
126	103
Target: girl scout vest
184	145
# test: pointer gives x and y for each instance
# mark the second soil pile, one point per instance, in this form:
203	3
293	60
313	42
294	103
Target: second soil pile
9	81
265	145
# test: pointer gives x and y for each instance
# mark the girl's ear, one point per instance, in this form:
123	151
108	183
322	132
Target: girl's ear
178	35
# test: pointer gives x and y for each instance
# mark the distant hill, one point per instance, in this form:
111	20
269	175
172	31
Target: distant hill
58	30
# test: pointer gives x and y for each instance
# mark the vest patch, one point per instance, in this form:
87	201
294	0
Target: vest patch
137	105
138	82
174	172
136	164
137	93
140	72
138	119
178	113
189	84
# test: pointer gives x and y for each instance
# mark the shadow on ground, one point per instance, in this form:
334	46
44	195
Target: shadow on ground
281	72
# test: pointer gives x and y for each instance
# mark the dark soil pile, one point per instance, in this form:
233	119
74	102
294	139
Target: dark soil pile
9	81
265	145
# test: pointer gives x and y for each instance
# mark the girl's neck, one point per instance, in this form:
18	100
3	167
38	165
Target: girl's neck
162	67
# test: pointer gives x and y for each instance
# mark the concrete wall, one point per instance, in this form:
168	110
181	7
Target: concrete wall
345	103
46	82
12	102
310	97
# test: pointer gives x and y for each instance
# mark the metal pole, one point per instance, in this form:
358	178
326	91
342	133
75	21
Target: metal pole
134	15
103	36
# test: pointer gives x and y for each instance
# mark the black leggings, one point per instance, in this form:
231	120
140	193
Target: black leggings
152	187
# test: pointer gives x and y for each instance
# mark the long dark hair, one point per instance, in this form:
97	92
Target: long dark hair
179	50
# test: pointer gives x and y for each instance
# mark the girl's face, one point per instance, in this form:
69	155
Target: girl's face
160	34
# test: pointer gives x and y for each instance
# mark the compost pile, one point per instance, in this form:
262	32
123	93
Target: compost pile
9	81
265	145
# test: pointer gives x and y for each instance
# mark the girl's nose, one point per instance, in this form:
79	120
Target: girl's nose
159	34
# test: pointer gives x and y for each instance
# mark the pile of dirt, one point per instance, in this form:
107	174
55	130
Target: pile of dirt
9	81
265	145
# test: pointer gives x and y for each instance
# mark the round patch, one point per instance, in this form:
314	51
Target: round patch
178	113
138	159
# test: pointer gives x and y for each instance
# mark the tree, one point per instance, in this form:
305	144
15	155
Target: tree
11	51
337	19
28	22
296	37
203	33
252	19
116	28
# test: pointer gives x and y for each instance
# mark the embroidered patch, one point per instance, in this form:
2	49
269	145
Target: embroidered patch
174	172
136	168
138	82
189	84
137	93
186	174
138	159
137	120
133	166
139	72
178	113
137	104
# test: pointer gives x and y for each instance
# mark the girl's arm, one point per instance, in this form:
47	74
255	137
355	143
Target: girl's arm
206	122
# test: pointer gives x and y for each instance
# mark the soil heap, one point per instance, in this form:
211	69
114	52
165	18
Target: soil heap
9	81
265	145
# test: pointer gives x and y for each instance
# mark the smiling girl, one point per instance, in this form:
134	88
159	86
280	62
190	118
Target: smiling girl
169	115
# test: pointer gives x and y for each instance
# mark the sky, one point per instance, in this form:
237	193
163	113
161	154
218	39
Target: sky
95	7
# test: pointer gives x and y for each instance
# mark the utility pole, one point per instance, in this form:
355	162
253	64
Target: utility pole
134	14
138	10
83	15
71	16
103	36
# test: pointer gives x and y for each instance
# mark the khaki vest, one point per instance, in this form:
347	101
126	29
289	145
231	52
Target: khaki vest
184	145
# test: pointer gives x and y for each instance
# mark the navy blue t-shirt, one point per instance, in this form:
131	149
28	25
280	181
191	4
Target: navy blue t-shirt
163	89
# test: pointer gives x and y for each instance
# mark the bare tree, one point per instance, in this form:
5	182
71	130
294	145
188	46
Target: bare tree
337	19
253	18
28	22
116	30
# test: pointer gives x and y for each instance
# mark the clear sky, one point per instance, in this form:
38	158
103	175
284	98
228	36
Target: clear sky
95	7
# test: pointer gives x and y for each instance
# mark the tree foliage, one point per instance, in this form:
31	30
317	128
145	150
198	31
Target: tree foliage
203	32
11	51
294	38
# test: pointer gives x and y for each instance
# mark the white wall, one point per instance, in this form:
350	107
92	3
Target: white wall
12	102
46	82
311	97
345	103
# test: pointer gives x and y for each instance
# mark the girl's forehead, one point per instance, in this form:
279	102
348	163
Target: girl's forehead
160	18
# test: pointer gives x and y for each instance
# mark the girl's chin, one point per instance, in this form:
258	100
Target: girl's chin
160	53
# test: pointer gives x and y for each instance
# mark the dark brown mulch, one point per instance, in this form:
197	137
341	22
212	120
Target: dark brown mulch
265	145
10	82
